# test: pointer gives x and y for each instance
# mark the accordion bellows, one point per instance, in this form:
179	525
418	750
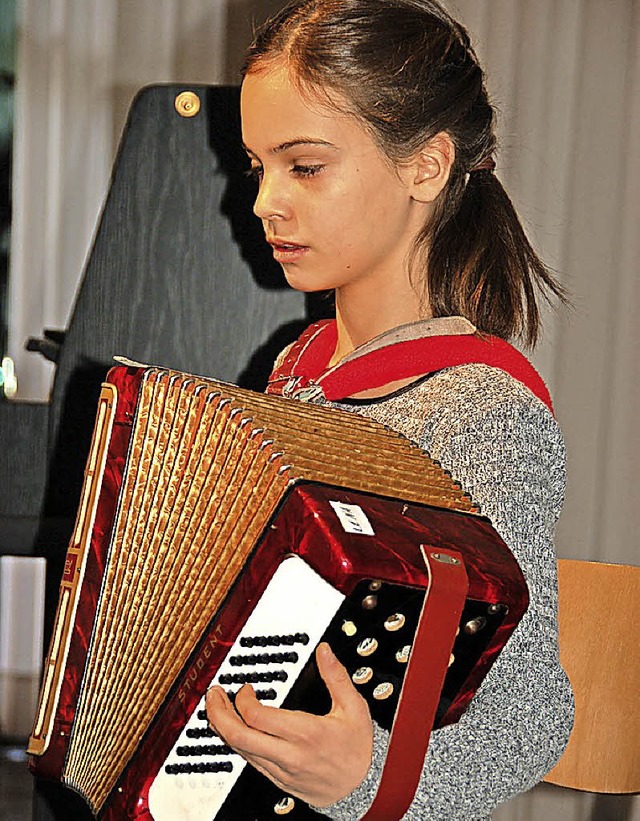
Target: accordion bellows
195	471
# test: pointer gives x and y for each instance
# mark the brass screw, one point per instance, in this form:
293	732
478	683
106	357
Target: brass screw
187	104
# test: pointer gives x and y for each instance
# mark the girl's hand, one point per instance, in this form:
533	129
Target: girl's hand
317	758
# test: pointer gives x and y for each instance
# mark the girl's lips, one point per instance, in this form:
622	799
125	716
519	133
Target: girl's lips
287	252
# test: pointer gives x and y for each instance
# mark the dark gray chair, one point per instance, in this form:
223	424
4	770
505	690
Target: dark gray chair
179	275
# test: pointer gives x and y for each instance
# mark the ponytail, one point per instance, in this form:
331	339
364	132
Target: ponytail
481	265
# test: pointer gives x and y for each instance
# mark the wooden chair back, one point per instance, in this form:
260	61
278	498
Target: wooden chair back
600	651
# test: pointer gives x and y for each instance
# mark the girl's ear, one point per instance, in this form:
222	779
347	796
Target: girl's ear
428	172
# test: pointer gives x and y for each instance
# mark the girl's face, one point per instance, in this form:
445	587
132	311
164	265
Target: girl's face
337	213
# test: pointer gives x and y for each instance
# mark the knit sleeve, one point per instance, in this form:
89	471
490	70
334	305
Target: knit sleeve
505	448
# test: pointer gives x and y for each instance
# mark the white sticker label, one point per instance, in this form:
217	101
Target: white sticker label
352	518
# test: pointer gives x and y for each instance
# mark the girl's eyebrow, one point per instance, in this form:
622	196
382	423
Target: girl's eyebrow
278	149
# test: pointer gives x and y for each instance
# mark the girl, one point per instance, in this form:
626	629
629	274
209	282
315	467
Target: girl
370	133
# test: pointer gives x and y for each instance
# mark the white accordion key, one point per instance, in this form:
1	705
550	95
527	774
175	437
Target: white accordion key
271	651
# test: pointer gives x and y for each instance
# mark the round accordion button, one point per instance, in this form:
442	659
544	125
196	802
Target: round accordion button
367	647
285	806
394	622
362	675
383	691
403	654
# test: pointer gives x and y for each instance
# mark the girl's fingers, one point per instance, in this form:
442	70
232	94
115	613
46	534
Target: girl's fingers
344	695
231	727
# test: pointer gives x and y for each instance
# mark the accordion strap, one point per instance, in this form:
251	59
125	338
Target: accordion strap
424	678
411	351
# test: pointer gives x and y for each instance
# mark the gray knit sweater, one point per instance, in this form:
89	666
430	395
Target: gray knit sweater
505	448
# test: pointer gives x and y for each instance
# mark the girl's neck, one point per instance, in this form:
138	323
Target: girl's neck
362	315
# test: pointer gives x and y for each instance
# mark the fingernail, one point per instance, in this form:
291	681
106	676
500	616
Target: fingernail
325	651
219	696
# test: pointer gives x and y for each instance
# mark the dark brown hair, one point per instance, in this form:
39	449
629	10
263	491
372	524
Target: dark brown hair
408	71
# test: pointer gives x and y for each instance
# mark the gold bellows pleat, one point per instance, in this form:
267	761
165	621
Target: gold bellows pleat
208	464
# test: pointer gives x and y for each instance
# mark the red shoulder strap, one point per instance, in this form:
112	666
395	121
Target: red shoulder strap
429	355
309	354
307	358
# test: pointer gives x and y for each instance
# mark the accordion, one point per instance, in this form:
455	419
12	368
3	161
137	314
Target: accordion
221	535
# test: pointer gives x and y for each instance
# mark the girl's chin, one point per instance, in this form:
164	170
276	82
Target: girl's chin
304	284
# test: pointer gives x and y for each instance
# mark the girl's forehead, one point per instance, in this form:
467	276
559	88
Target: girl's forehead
274	111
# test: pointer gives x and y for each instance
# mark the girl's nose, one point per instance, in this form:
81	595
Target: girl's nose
269	204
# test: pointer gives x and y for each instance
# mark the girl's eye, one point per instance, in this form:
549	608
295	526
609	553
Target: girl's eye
306	170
